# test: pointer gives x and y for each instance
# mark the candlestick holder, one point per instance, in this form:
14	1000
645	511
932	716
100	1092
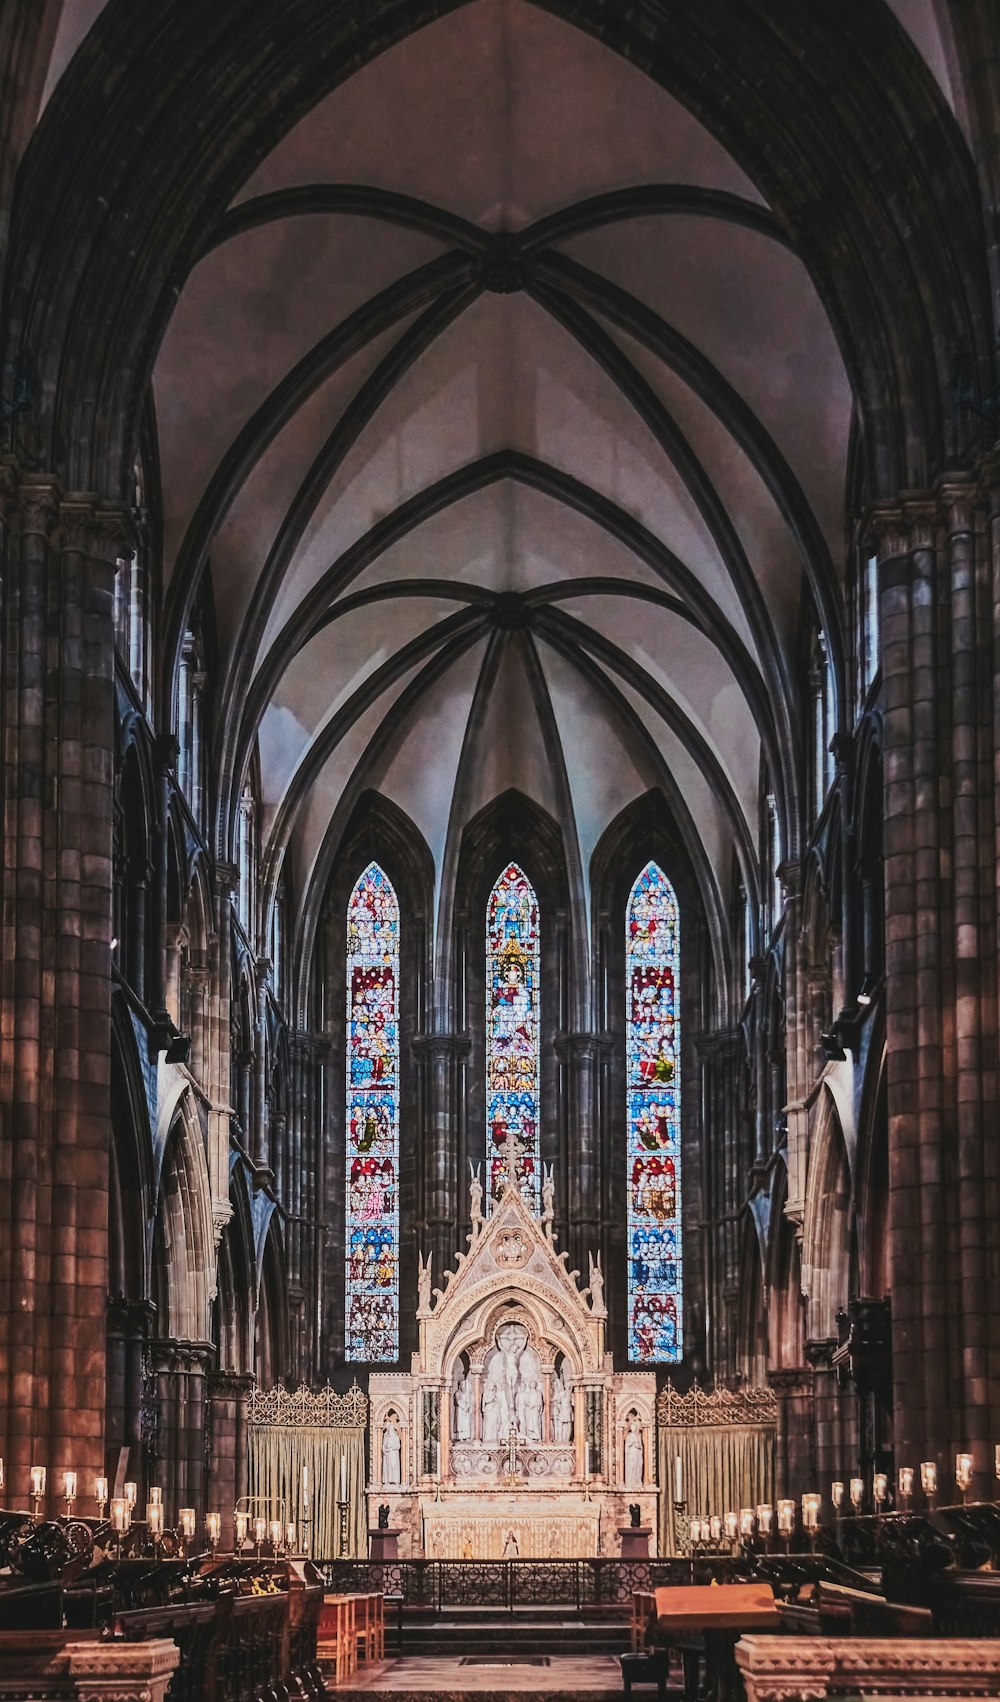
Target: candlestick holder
963	1475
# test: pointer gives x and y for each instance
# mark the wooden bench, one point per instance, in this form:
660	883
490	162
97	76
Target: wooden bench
336	1639
646	1667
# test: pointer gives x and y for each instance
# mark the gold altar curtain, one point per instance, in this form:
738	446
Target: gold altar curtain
725	1440
277	1455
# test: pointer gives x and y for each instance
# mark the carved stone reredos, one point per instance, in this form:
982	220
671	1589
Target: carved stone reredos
511	1272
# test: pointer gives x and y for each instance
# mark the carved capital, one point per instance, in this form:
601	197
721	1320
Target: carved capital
958	503
38	502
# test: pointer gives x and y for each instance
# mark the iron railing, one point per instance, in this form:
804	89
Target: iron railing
433	1586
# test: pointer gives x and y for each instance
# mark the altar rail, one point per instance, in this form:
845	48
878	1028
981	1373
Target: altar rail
591	1583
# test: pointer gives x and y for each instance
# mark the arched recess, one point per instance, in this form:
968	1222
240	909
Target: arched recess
135	822
828	1224
872	1274
646	830
183	1249
751	1356
130	1193
513	828
377	831
271	1329
786	1334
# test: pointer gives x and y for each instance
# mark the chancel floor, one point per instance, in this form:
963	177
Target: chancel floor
597	1677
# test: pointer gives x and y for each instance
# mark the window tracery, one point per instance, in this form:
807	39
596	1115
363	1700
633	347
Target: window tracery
652	1030
371	1333
512	1032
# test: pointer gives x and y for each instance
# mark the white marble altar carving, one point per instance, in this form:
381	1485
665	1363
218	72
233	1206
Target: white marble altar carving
511	1357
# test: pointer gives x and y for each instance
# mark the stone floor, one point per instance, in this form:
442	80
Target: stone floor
597	1677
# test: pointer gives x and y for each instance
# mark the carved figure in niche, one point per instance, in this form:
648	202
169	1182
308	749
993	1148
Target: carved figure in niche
511	1546
530	1402
463	1410
634	1515
424	1283
548	1196
634	1460
392	1452
562	1408
475	1196
596	1284
383	1516
497	1411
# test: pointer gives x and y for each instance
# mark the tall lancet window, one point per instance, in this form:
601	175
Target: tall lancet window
653	1061
512	989
372	1184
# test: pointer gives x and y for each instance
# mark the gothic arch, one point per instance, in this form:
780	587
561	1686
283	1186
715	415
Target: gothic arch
183	1245
828	1226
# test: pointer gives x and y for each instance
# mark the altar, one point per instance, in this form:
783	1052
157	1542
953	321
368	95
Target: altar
512	1436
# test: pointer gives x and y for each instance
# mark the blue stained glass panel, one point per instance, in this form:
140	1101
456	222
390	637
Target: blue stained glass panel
371	1332
512	1046
653	1060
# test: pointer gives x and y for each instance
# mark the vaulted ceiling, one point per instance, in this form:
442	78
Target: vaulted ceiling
514	434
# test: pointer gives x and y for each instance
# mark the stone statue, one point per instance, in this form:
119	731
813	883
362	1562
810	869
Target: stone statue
562	1409
383	1516
634	1462
497	1410
634	1515
424	1283
596	1284
463	1410
511	1546
530	1404
548	1200
392	1452
475	1196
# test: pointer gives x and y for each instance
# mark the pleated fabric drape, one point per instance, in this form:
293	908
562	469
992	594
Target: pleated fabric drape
277	1457
723	1468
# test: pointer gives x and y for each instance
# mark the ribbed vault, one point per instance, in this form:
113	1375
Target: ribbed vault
504	365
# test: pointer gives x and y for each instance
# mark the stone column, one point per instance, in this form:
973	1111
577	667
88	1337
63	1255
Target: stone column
445	1216
578	1220
228	1393
795	1460
55	976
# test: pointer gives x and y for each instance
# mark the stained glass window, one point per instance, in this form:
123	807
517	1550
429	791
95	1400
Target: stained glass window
372	1183
512	989
653	1061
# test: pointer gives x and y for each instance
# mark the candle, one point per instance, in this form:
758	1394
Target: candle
154	1518
996	1464
275	1534
156	1497
259	1531
786	1517
101	1492
880	1488
2	1476
857	1492
69	1485
837	1494
213	1525
810	1512
119	1515
746	1521
38	1481
186	1516
765	1519
963	1471
241	1521
131	1493
732	1526
904	1480
678	1479
291	1536
928	1476
715	1527
343	1472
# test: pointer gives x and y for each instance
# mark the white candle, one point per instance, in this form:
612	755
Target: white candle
678	1479
343	1477
69	1485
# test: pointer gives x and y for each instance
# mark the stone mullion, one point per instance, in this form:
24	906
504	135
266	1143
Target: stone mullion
799	1060
991	1155
217	1065
971	954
